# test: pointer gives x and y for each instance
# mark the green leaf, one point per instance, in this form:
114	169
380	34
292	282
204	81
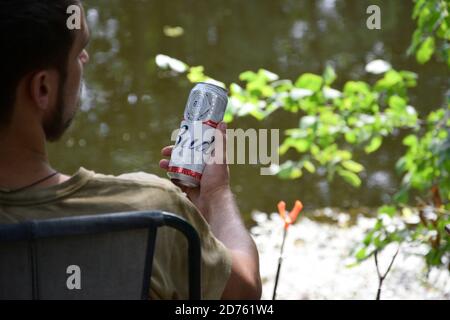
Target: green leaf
426	50
400	166
410	140
236	89
356	87
301	145
329	76
417	36
308	165
410	78
352	166
289	170
350	177
350	137
196	74
390	79
270	76
247	76
228	117
397	103
374	144
368	238
309	81
361	254
417	8
401	196
389	210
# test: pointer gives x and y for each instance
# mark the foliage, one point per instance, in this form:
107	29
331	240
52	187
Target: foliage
335	123
425	168
433	30
425	165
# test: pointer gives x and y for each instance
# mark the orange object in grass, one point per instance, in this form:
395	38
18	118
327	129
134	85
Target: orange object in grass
292	216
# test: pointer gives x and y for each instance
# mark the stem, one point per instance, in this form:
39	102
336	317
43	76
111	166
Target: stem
280	261
380	276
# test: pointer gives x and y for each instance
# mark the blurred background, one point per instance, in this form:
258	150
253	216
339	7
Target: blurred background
130	106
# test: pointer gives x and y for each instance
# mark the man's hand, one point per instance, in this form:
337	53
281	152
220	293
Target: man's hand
216	202
215	178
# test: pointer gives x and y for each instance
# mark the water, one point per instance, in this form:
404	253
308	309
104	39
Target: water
131	107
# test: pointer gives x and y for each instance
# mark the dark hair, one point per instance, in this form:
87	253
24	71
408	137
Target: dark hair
33	37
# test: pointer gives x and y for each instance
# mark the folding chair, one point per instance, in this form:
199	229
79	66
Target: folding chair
112	253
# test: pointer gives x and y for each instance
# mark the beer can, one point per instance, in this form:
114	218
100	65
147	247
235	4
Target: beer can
205	109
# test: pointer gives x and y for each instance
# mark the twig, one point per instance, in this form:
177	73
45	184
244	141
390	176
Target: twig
380	276
280	261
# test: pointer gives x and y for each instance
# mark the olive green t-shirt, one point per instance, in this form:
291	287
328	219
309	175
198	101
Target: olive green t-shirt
87	193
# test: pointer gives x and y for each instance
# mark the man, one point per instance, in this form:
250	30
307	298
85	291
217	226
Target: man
41	67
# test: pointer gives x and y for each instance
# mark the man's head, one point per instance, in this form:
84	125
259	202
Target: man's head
41	64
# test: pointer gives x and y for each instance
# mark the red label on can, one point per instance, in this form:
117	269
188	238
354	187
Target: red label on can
195	175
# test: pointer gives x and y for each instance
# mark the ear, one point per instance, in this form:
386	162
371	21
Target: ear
44	88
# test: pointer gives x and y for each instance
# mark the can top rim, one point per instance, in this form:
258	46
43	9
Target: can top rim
214	86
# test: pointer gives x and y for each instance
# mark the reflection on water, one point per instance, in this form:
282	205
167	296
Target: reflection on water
130	107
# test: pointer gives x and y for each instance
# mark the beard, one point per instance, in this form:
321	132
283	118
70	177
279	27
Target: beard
56	126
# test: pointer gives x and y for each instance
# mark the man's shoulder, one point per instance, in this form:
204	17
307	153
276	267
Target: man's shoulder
131	192
138	179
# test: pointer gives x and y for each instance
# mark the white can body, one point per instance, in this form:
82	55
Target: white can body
205	109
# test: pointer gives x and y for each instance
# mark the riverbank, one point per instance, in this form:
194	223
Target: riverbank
316	258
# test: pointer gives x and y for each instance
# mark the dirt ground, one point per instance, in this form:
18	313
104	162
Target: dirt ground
316	259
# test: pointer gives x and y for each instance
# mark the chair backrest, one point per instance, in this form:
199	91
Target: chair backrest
107	256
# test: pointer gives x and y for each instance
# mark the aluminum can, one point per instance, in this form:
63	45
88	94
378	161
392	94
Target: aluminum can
205	109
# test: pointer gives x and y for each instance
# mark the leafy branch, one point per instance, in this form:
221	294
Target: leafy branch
433	30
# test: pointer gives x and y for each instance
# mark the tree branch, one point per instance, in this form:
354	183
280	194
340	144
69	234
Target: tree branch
380	276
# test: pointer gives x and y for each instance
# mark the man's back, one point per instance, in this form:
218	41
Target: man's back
87	193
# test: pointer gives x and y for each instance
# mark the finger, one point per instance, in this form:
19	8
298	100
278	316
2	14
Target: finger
164	164
222	127
167	151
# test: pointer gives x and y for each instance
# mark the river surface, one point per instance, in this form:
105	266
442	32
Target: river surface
130	107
